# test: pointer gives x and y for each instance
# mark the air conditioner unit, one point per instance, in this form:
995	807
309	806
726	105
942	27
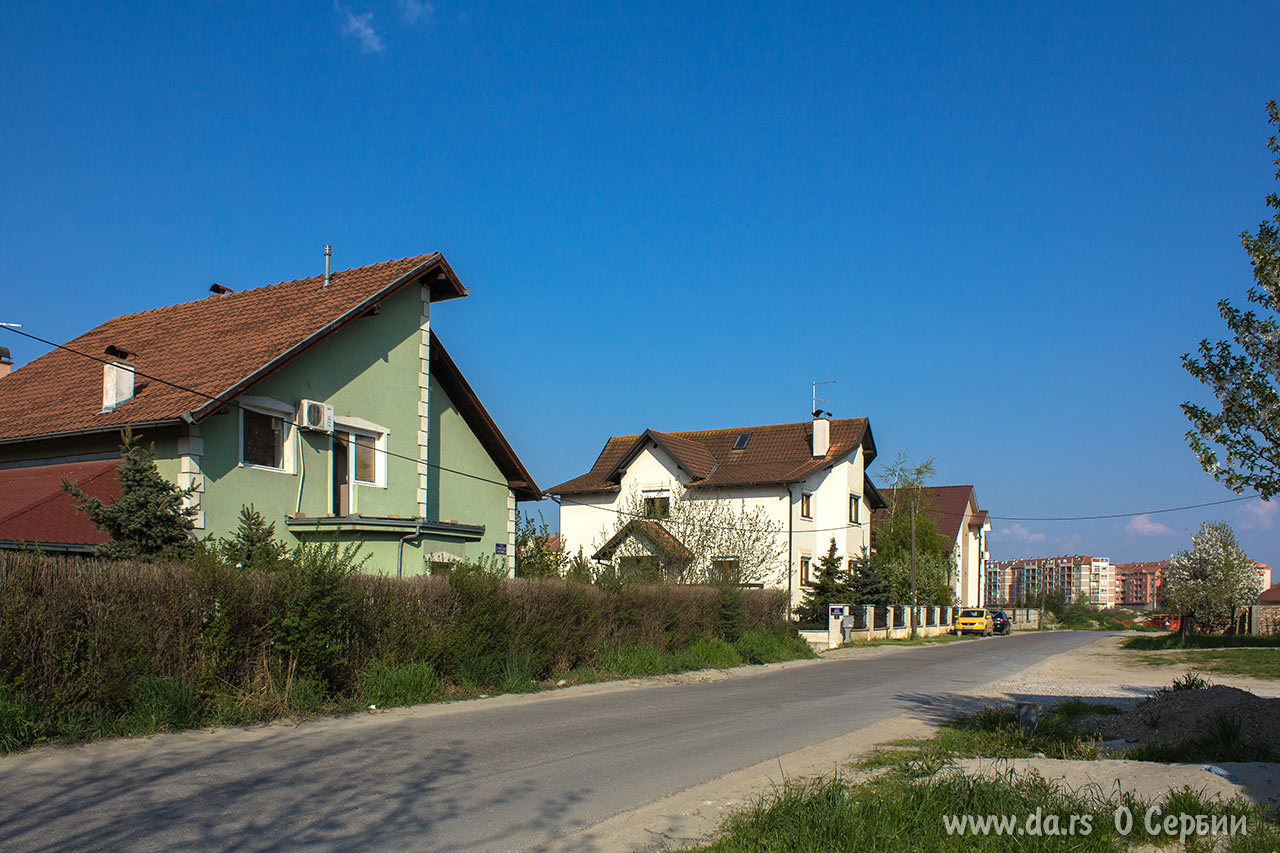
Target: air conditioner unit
314	415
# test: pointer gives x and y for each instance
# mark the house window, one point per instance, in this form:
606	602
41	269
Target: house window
805	580
854	500
261	439
726	569
806	505
369	459
657	507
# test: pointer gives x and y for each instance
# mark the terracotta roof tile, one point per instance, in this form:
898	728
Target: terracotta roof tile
213	345
34	509
947	505
777	453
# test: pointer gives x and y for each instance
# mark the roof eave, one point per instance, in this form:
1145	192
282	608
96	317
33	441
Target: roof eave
71	433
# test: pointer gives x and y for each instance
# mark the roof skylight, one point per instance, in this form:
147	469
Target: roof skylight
741	443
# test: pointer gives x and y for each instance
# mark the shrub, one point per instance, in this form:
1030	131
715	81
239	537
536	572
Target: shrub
400	684
163	703
761	646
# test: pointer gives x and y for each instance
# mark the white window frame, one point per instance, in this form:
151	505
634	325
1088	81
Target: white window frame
806	505
806	571
855	508
359	428
288	440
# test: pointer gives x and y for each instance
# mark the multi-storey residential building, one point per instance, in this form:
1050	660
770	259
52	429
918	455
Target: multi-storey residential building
328	403
807	479
1079	577
1138	584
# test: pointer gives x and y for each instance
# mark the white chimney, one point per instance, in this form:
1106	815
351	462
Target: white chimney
6	362
821	435
117	378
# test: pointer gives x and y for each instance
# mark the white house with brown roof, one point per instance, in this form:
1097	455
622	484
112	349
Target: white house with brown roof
954	509
807	479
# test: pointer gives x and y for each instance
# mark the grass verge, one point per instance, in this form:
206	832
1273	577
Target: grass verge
1251	662
1200	641
915	801
918	641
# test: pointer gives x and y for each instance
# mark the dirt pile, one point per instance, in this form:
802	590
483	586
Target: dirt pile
1181	716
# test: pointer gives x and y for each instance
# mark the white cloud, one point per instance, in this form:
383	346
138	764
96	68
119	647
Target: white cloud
1145	525
416	11
1017	533
361	28
1258	514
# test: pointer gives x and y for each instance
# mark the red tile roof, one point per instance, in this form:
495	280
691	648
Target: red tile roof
35	510
1271	595
215	346
662	538
946	506
775	454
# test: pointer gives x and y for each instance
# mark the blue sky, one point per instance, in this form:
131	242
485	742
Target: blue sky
996	226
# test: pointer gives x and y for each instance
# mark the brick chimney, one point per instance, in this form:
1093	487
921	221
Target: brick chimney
6	362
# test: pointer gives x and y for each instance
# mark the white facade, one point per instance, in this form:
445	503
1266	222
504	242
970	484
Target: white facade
832	494
971	556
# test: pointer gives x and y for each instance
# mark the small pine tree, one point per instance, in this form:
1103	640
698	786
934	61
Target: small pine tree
254	547
830	586
149	518
868	582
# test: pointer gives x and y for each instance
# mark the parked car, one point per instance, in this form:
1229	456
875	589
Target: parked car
1000	622
975	620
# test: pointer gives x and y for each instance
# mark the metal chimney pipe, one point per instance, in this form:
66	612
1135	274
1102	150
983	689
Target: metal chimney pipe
328	251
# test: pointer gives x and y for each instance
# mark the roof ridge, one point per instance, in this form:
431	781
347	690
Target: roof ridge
759	426
262	287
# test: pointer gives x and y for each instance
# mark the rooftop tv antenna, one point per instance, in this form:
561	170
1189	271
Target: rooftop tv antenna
816	399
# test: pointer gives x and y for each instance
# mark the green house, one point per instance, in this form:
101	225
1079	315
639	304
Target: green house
327	403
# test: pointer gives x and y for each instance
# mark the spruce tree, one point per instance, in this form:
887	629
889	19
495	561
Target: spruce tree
830	586
148	518
868	582
254	546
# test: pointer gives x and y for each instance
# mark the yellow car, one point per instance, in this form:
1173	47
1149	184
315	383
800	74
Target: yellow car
975	621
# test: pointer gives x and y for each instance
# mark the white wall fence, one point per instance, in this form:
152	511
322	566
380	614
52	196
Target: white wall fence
893	622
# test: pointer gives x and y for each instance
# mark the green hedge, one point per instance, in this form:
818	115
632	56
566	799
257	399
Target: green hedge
99	642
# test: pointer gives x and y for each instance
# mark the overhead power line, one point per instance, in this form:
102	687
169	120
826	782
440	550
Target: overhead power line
561	500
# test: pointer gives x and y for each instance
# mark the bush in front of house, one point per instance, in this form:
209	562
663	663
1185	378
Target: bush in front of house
90	647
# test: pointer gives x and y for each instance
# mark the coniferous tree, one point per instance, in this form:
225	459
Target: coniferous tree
149	518
831	586
254	546
868	582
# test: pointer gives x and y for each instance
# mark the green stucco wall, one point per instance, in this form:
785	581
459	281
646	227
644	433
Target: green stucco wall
367	370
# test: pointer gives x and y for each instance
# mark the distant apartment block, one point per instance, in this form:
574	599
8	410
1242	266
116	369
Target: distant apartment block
1078	577
1138	584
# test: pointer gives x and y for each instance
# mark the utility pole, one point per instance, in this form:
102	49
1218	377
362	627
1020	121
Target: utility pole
913	570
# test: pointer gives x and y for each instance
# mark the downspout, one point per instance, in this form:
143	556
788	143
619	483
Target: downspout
302	471
790	547
416	534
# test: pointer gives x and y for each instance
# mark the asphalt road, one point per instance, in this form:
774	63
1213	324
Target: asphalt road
508	773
